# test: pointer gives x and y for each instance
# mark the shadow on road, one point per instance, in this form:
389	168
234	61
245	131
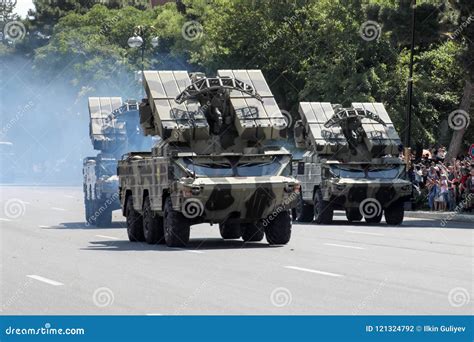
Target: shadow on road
193	245
83	225
419	223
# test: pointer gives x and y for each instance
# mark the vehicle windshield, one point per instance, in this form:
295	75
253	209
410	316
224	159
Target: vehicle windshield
232	166
370	172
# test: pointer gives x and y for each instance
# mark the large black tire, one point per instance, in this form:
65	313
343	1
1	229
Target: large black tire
278	230
89	211
103	214
323	211
394	214
375	219
134	222
252	232
152	224
230	230
176	226
353	214
304	212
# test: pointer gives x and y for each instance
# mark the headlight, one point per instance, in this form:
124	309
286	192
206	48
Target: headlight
289	188
189	192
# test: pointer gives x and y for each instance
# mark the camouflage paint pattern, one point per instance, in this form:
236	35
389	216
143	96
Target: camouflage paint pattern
216	199
320	132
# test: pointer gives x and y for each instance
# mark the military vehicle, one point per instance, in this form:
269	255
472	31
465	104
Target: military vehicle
114	130
351	164
214	164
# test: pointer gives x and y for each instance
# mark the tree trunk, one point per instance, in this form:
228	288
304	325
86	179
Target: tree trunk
456	139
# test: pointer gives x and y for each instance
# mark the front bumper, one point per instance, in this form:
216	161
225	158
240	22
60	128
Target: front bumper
236	201
351	195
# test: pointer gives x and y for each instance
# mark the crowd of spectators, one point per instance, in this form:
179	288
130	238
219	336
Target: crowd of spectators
446	185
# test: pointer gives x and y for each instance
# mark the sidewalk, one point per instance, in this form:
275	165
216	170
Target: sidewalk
441	215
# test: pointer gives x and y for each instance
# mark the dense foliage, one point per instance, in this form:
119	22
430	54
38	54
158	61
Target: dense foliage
308	50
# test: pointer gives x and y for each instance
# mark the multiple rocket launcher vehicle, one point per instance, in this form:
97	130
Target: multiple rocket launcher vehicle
218	160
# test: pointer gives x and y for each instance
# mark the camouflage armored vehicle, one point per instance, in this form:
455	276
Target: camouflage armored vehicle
213	164
114	130
351	164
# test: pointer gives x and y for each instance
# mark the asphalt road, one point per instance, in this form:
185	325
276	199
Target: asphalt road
51	263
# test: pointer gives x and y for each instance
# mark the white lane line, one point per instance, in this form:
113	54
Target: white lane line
45	280
4	219
366	233
108	237
344	246
58	209
314	271
188	250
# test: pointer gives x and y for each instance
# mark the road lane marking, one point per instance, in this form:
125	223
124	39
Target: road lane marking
187	250
108	237
314	271
58	209
344	246
366	233
45	280
4	219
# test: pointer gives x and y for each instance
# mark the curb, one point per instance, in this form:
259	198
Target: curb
447	216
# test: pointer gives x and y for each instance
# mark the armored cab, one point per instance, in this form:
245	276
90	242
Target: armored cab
214	163
114	129
351	163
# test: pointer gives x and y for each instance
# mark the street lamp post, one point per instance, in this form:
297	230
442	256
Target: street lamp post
410	87
137	41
